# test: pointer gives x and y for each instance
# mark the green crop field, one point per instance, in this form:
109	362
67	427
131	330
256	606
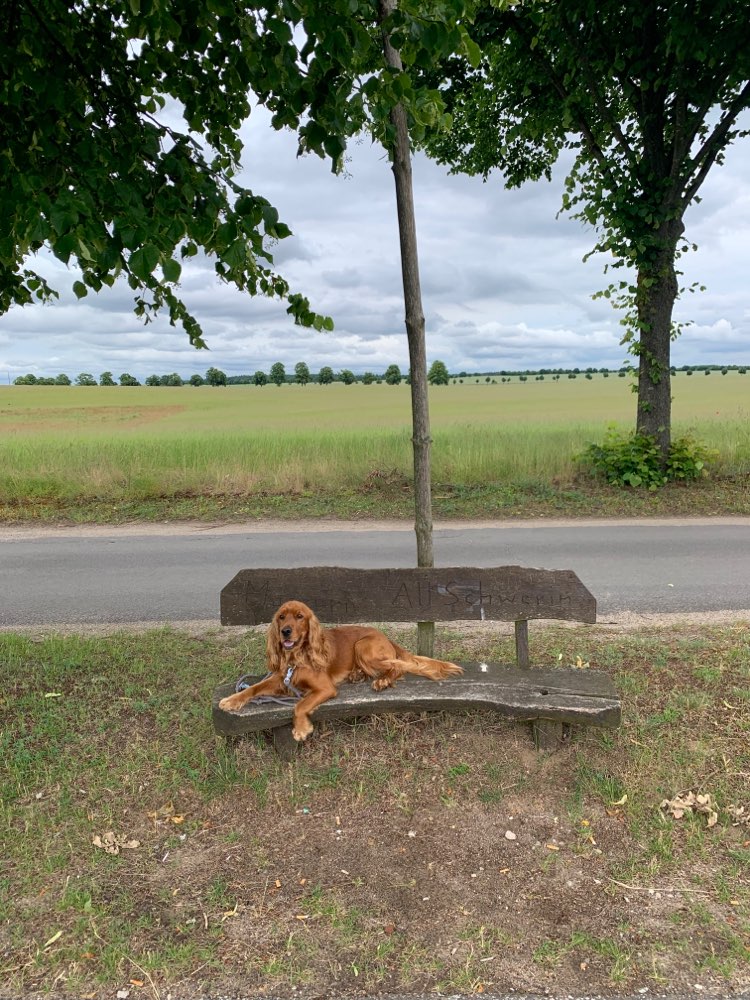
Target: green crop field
105	449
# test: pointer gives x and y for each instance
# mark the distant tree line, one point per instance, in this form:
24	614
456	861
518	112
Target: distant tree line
213	376
437	375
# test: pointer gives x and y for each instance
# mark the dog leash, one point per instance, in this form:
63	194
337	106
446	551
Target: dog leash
295	694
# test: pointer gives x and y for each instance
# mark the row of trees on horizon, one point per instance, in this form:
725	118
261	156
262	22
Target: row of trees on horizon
438	375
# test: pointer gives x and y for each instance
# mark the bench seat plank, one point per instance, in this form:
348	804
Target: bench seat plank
578	697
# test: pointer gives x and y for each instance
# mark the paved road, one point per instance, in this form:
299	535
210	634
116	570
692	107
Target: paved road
170	573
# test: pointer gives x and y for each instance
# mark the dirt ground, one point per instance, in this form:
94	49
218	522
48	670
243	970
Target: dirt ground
464	863
517	894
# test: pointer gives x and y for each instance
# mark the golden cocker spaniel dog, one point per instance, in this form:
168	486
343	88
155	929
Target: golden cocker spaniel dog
304	656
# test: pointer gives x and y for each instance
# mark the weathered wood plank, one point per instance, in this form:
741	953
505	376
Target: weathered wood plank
547	734
339	594
582	697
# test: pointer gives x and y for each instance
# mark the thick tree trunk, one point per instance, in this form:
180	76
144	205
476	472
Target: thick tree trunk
415	331
657	291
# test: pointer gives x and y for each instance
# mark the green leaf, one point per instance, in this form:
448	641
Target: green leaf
143	262
80	289
171	269
270	216
473	52
236	255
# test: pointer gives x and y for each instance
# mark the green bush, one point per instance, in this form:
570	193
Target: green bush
687	459
635	460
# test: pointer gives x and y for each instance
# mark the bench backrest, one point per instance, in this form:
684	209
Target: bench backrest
339	594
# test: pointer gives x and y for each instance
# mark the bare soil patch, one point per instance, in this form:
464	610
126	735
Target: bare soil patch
78	417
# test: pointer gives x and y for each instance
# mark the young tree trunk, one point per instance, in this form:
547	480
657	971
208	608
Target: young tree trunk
657	291
415	331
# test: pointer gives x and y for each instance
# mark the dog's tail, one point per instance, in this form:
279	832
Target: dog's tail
426	666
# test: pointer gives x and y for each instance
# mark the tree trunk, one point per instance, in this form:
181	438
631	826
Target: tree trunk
656	294
415	330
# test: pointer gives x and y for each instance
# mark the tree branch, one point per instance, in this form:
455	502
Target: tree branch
714	144
582	123
681	138
602	107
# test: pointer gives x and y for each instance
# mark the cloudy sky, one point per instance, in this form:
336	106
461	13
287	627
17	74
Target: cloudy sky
503	280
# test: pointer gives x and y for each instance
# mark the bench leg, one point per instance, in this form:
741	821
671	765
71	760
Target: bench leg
284	743
548	734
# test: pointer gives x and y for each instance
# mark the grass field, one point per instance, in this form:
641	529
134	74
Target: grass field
116	453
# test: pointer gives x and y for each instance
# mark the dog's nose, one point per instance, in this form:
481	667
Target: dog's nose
286	632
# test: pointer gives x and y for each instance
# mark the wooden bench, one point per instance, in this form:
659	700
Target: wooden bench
549	698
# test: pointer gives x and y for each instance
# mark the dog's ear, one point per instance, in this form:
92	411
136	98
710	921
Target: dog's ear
316	643
273	646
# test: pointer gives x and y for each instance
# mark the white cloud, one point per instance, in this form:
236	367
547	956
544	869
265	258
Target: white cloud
503	280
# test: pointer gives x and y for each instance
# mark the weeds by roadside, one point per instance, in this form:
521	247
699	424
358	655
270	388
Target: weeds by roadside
582	497
428	852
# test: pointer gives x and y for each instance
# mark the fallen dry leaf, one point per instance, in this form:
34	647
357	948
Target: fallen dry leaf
691	802
740	815
167	814
113	843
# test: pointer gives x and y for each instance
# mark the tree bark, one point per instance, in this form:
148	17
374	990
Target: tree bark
656	294
415	330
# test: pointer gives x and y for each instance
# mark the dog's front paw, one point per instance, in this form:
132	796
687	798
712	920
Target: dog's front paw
381	683
302	729
230	703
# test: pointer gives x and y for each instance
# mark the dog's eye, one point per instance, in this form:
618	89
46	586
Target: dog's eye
300	617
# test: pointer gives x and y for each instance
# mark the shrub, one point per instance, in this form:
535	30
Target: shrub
635	460
687	459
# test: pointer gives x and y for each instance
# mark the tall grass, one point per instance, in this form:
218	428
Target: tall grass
144	467
136	444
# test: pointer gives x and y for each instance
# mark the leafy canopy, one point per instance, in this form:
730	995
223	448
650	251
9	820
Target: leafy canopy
647	96
438	374
120	121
